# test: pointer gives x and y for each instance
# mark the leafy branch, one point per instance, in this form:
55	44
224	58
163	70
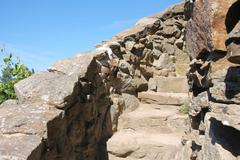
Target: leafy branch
12	71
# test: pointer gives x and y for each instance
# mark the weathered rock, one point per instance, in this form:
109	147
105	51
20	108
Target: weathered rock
9	102
141	84
163	98
129	45
146	71
74	65
182	61
225	85
156	53
213	127
170	31
130	102
175	10
164	119
206	31
138	49
50	87
233	44
198	73
128	144
171	84
184	152
198	103
171	40
162	73
233	53
116	110
23	127
55	87
125	67
221	139
169	22
179	43
124	83
152	84
148	57
86	119
164	61
234	34
168	48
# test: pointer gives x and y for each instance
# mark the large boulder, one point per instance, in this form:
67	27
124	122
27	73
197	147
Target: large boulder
222	135
49	87
23	127
62	113
77	64
206	30
171	84
57	86
226	85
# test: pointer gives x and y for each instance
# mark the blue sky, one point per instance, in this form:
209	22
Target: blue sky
43	31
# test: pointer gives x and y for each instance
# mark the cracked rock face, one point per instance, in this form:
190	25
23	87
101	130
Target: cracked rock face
212	41
70	111
206	30
62	114
122	100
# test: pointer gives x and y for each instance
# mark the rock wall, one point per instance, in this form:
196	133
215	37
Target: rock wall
212	35
60	114
70	111
151	56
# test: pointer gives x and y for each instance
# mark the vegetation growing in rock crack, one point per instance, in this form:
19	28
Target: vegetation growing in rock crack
184	108
12	71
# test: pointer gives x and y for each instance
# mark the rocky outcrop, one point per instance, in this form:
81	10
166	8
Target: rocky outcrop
212	43
122	101
207	27
60	114
153	64
70	111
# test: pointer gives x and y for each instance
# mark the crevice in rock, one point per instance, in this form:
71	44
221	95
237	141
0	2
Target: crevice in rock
232	80
233	16
195	149
226	136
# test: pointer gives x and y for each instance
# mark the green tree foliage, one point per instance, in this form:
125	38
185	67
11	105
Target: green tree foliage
12	71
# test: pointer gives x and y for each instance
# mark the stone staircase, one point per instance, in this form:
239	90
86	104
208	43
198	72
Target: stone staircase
154	130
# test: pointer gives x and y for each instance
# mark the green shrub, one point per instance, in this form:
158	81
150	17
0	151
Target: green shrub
12	71
184	108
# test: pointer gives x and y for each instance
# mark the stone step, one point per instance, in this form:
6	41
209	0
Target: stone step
136	145
169	84
153	118
163	98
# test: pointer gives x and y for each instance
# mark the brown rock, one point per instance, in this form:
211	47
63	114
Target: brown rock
182	62
163	98
232	43
171	84
152	85
169	31
129	45
164	61
206	31
225	85
131	102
